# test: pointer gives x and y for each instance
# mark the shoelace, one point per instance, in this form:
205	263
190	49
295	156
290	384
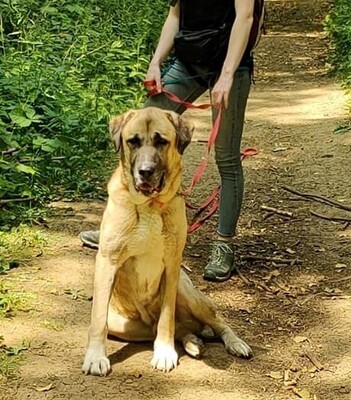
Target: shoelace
219	251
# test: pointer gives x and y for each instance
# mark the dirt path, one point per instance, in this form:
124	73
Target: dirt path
286	311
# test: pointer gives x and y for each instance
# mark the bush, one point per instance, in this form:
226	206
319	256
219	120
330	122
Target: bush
338	27
65	67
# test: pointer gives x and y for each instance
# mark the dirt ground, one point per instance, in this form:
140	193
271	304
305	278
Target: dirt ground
295	313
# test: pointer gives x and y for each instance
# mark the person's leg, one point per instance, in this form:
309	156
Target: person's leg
179	81
227	148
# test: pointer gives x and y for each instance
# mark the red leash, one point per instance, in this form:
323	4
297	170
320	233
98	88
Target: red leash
214	196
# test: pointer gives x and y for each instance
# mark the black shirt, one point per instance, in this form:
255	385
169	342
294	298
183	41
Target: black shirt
198	15
204	14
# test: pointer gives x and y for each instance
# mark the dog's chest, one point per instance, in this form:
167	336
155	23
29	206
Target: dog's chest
148	234
147	247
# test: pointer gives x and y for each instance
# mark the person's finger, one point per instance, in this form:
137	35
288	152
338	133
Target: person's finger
158	84
218	98
148	84
226	99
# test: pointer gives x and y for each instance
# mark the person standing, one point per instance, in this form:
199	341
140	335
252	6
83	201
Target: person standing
210	39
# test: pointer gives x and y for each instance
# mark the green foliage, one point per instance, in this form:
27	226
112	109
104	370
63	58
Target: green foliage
12	300
65	67
338	27
9	359
19	246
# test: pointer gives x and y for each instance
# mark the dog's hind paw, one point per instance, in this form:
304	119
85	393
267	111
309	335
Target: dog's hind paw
165	358
193	345
96	363
239	348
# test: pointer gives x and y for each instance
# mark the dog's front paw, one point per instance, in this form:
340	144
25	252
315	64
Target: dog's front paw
96	362
165	358
239	348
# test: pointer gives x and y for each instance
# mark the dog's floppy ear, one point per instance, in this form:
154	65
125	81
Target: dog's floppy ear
116	126
184	130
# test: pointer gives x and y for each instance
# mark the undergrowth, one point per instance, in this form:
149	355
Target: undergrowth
65	68
10	358
338	27
17	248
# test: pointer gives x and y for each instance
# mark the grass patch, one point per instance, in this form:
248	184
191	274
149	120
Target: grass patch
17	248
9	360
53	325
12	300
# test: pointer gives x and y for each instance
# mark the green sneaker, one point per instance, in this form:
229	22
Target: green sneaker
90	238
221	263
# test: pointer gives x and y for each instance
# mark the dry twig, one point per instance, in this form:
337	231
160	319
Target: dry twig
345	278
314	361
317	197
329	218
271	259
7	201
277	211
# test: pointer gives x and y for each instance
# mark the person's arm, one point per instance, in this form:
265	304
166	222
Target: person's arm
164	46
237	45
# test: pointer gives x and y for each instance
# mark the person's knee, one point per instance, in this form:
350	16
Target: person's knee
228	164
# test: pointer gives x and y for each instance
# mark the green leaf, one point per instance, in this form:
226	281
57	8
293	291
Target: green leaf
25	168
20	119
342	129
47	145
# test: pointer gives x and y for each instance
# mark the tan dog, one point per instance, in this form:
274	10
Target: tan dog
140	292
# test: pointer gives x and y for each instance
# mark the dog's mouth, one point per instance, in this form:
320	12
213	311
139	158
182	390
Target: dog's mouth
149	189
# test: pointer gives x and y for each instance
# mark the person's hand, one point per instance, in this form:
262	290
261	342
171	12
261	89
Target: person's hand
220	92
154	74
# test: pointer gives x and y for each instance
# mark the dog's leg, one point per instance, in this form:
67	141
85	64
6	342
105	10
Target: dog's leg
165	357
96	361
203	310
127	329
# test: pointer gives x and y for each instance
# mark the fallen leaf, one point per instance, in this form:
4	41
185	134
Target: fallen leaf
304	394
320	250
286	375
344	390
294	368
340	266
275	375
291	382
45	388
246	310
300	339
187	268
195	255
137	374
276	149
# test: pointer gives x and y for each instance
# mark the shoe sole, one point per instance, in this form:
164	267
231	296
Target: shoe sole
218	278
89	244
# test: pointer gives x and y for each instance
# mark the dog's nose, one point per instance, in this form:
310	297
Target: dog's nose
146	172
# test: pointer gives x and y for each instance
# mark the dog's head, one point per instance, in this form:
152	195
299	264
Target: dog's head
151	142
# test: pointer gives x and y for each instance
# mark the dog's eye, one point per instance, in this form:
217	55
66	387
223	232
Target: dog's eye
159	140
134	141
